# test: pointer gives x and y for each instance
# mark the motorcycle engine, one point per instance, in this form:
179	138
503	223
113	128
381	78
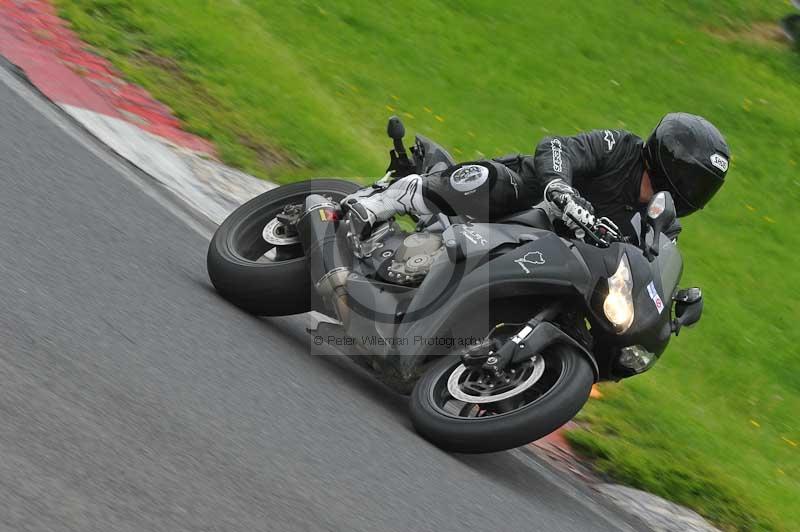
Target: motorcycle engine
413	259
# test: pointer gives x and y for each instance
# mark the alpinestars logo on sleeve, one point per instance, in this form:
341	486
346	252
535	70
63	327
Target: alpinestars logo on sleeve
555	146
609	138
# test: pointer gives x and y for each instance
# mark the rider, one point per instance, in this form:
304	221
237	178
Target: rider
611	172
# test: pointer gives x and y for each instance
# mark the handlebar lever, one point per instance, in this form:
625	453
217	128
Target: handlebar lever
590	232
603	232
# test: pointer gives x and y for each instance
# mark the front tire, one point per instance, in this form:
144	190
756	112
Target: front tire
237	255
459	426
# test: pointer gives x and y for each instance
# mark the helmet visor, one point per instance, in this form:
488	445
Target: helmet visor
691	183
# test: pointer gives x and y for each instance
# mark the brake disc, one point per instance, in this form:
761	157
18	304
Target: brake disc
454	385
275	233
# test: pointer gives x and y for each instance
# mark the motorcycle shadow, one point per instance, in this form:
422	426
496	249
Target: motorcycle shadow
293	328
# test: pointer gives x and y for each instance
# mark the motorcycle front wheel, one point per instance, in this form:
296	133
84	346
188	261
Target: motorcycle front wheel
469	411
262	277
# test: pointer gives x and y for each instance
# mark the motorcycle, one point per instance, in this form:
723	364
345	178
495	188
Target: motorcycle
496	330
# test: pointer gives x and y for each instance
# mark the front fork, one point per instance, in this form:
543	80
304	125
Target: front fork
531	340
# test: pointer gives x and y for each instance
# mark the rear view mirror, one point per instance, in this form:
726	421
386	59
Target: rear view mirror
660	215
661	211
688	308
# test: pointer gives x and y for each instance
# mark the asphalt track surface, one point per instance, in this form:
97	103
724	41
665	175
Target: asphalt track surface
133	398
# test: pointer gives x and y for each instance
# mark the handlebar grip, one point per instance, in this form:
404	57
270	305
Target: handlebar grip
559	198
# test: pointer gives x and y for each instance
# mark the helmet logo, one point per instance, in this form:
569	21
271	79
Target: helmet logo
720	162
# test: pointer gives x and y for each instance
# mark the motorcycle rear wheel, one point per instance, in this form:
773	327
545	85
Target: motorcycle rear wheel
258	277
460	426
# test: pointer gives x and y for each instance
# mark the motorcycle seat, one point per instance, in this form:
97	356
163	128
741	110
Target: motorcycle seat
536	218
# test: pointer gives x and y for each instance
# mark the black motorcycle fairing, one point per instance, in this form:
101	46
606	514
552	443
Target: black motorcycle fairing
653	301
534	217
541	267
452	304
472	243
491	264
667	267
429	154
653	285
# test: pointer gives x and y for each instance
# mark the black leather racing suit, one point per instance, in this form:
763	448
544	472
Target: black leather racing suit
605	166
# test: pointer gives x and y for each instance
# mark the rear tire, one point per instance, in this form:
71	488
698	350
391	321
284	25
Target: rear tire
504	431
260	287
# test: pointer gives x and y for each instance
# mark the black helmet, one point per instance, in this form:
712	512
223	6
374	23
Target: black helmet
687	156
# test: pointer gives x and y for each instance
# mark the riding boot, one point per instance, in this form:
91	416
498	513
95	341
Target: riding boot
404	196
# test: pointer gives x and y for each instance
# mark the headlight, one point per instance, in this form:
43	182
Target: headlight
636	358
618	305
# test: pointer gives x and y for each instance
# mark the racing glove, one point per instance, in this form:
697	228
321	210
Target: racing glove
568	204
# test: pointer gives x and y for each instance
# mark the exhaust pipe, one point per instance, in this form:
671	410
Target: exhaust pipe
328	262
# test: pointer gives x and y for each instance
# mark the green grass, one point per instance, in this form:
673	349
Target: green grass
288	90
